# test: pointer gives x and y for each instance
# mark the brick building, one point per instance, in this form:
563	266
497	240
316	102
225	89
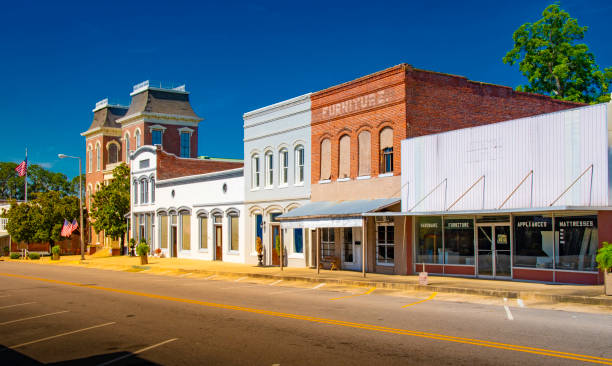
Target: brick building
357	128
156	116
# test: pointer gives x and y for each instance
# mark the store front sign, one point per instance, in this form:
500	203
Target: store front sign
357	104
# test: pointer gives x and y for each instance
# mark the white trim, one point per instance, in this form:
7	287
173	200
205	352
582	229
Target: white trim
286	103
157	127
324	181
343	179
363	177
390	174
186	129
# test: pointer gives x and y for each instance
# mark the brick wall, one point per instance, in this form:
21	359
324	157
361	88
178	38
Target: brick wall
413	102
170	166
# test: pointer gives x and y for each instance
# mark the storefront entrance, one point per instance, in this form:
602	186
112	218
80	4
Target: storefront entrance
493	250
276	237
351	248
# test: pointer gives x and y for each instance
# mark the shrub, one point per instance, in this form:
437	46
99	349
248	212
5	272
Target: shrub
15	256
604	256
142	249
6	250
34	256
55	249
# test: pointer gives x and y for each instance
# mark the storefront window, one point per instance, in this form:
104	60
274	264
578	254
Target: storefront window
385	252
577	243
429	240
186	228
163	232
459	241
328	243
533	242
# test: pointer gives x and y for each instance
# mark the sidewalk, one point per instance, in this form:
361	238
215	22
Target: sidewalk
554	293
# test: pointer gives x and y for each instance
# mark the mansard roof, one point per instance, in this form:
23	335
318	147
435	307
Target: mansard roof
107	116
161	101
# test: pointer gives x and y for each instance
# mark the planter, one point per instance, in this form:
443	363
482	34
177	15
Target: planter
260	259
56	256
144	260
608	282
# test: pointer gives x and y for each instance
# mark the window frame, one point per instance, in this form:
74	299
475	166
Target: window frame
269	170
255	172
328	246
186	148
283	160
300	162
385	243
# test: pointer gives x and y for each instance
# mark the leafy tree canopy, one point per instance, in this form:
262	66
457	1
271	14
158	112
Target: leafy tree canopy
553	61
41	219
39	180
111	203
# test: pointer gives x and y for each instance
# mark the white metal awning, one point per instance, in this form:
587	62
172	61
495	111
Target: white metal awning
315	223
493	211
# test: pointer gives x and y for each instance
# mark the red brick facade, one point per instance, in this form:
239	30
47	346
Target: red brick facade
412	102
170	166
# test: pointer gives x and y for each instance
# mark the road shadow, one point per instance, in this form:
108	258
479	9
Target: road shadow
11	357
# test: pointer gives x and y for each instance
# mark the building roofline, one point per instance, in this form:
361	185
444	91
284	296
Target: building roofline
278	105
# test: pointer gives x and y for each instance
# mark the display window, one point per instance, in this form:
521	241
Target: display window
459	241
429	240
577	243
533	242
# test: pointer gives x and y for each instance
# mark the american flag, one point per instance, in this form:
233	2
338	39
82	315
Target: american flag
22	168
66	229
73	226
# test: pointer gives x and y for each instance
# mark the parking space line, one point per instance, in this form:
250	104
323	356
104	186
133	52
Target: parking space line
209	277
520	303
365	326
186	274
318	286
240	279
420	301
297	289
12	306
137	352
365	293
508	313
57	336
33	317
275	282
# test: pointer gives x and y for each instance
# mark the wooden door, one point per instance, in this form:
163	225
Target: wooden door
218	243
174	242
275	234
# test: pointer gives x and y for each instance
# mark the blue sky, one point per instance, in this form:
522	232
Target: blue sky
59	58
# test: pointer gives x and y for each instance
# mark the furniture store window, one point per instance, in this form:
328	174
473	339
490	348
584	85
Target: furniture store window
577	243
533	242
325	159
429	240
459	241
385	243
344	162
365	153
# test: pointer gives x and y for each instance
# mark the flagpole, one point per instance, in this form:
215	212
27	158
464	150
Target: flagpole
26	176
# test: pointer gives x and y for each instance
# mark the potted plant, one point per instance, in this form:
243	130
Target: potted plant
158	252
259	250
55	250
604	262
143	250
132	246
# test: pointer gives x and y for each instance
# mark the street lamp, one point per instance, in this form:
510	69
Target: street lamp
62	156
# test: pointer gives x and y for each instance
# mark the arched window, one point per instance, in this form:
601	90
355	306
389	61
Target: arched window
90	158
137	136
127	148
255	171
98	158
144	191
365	154
152	190
135	192
269	169
283	158
299	164
113	153
386	150
344	162
325	159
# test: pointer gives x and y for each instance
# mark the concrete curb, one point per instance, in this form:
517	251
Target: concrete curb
585	300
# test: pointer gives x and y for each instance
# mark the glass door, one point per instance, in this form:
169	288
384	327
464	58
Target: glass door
494	256
485	250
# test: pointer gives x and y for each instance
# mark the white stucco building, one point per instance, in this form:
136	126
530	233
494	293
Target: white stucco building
277	178
189	208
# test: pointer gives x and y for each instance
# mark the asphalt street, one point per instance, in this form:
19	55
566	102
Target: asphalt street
68	315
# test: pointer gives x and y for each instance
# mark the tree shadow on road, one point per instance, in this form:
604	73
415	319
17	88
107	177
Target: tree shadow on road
12	357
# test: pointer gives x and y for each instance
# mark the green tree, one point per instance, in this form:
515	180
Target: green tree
111	203
553	61
41	219
39	180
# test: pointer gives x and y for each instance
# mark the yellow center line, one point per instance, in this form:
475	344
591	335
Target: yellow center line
377	328
365	293
420	301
